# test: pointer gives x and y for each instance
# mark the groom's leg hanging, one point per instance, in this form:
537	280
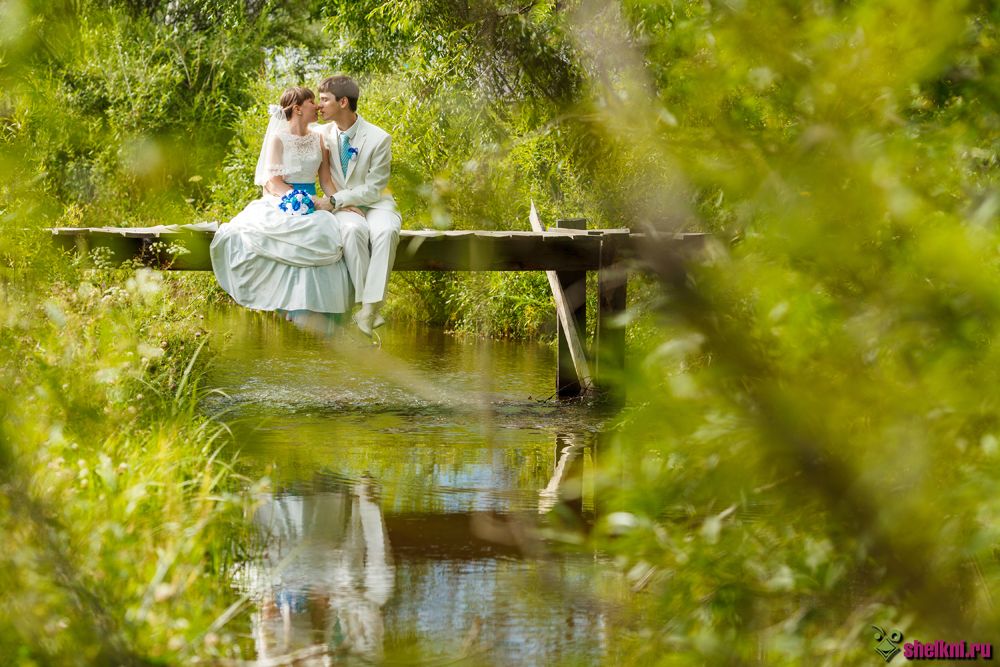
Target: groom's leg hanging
383	230
357	257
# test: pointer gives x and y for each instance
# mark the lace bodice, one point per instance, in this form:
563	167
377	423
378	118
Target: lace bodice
298	159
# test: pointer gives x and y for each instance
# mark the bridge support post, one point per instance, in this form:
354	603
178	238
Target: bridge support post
574	285
609	344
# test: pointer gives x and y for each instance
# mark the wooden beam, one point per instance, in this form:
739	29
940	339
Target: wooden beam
497	251
565	314
419	250
609	343
566	484
574	285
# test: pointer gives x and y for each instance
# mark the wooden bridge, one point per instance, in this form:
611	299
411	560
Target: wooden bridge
567	252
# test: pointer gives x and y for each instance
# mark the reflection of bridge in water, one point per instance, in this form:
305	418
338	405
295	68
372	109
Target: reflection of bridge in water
462	493
332	559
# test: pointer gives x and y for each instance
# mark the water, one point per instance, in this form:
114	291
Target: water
410	490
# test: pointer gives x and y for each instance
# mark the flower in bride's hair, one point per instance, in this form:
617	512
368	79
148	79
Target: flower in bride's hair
297	202
275	111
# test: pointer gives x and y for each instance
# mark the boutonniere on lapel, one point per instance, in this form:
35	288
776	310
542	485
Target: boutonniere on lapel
352	153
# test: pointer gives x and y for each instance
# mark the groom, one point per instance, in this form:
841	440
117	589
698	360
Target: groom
360	158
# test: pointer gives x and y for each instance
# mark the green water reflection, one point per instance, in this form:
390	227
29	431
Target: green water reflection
407	486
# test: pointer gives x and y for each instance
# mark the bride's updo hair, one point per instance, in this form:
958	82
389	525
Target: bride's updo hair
293	96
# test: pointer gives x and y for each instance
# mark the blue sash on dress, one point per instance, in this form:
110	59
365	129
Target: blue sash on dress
308	187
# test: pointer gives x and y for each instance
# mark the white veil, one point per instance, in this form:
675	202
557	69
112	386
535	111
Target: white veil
273	161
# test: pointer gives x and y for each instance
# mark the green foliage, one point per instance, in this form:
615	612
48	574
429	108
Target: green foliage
118	510
127	113
822	379
809	396
812	443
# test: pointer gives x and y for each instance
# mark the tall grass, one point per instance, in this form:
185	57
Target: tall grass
120	511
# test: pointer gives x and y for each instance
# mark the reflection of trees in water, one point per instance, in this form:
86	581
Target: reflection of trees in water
324	575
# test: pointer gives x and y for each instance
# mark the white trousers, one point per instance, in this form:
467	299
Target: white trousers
369	250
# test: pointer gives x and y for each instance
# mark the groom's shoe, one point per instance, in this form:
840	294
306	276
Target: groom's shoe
365	325
376	318
363	318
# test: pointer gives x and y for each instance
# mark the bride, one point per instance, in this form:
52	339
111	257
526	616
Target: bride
283	251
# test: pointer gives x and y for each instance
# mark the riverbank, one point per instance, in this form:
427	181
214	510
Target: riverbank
122	516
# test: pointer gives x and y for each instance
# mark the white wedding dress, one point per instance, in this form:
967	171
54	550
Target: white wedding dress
326	570
270	260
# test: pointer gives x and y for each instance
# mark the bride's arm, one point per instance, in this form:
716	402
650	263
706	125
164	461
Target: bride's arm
276	185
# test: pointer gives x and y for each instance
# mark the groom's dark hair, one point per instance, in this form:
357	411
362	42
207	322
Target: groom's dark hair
341	85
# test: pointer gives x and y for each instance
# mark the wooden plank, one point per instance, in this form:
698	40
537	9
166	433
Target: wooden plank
565	314
419	250
169	230
493	252
574	285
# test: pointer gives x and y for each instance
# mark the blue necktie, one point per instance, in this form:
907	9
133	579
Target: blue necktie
345	152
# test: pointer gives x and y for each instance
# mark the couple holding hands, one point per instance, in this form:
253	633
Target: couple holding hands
305	256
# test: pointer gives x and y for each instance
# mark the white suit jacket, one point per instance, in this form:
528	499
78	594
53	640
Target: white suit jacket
367	172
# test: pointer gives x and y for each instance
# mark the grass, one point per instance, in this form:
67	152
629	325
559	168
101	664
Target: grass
121	513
